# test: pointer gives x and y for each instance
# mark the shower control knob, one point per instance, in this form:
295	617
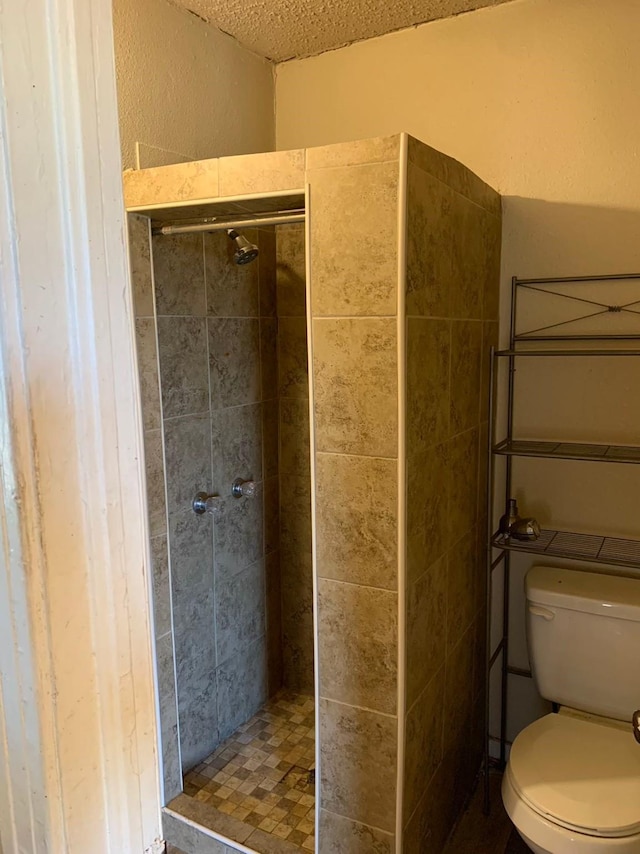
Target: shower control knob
243	488
205	503
636	725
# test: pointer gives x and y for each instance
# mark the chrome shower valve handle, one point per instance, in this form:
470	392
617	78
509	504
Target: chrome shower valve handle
205	503
243	488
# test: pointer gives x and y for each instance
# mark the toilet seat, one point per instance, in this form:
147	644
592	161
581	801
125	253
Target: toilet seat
581	775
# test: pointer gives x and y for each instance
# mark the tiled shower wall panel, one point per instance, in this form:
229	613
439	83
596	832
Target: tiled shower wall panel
146	341
453	267
216	348
295	472
354	276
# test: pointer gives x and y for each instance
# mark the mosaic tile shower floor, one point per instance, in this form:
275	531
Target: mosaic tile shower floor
264	774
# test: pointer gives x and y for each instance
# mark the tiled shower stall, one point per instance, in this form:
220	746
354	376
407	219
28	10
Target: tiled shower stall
399	310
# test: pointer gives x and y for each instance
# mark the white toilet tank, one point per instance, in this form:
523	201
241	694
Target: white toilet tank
583	633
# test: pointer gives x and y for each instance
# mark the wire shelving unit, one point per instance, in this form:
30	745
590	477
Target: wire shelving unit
594	328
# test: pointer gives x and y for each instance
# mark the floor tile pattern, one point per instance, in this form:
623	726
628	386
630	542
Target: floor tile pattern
264	774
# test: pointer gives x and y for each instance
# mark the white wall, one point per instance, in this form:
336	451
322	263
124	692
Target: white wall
185	88
540	98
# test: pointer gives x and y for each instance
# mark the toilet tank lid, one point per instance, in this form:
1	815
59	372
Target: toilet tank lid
589	592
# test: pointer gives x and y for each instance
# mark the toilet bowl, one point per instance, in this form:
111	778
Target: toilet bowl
572	783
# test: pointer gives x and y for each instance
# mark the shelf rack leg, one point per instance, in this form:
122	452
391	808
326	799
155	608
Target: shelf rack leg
489	579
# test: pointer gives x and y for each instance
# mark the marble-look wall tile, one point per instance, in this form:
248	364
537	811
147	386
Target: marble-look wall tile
262	173
195	652
297	619
338	834
148	372
192	579
462	578
234	361
463	482
198	718
274	621
140	263
429	276
466	353
188	455
356	386
195	648
293	370
356	153
267	271
270	439
354	240
357	519
269	357
236	440
179	182
232	289
294	437
492	232
425	628
154	469
460	735
453	173
271	515
428	530
295	514
178	266
240	610
468	258
291	270
432	820
297	651
358	767
238	533
182	345
172	771
423	740
161	586
453	258
428	389
242	687
358	645
294	462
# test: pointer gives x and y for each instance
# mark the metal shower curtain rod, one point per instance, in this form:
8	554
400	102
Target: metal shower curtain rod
278	218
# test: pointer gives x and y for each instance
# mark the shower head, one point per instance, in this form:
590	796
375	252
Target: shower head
245	251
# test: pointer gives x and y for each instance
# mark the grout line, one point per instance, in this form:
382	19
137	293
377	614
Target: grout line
363	823
359	708
457	192
365	317
392	590
358	456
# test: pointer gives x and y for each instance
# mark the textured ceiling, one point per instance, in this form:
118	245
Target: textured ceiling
284	29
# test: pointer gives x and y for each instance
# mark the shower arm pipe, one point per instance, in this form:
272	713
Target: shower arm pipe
277	219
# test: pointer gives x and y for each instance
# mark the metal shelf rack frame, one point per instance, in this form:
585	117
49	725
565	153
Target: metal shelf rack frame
562	544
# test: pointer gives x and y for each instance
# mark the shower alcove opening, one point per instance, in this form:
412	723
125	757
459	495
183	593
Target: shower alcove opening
335	621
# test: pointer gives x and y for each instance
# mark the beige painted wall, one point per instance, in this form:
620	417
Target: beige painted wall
185	89
540	99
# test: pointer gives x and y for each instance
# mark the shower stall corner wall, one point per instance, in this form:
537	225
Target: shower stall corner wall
401	261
